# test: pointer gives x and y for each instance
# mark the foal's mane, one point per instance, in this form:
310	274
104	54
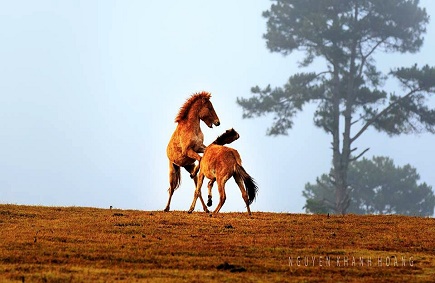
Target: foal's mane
223	139
182	114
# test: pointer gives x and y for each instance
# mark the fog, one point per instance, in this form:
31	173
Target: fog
89	91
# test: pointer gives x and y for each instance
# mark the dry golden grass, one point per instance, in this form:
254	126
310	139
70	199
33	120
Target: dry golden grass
72	244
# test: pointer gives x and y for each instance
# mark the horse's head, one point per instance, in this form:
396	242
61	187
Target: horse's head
207	113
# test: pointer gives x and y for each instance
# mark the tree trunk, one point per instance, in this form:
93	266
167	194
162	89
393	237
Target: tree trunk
340	157
342	199
341	160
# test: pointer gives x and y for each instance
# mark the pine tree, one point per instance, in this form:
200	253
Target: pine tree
349	90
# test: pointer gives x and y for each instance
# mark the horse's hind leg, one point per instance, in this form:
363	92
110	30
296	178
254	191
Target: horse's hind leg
245	197
210	186
174	182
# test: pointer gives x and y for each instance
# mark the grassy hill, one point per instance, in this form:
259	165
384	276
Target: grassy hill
73	244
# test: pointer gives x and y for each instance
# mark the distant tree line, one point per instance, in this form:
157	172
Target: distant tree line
376	186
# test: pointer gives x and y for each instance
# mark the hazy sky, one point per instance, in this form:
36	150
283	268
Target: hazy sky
89	91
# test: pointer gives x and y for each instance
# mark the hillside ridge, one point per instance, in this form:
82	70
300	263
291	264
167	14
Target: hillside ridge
84	244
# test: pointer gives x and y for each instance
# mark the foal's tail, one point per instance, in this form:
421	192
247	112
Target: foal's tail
250	185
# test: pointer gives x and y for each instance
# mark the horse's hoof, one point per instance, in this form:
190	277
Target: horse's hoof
190	212
166	209
209	203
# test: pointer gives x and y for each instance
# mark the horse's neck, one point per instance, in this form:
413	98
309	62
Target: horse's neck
191	124
193	121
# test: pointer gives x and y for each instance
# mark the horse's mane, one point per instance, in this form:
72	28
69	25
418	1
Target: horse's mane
182	114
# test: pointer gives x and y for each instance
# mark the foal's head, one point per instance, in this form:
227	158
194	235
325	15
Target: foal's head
228	137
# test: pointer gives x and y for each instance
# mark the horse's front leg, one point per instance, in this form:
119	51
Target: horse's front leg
195	170
198	166
189	152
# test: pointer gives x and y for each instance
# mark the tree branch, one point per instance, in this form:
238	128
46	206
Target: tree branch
322	73
383	112
354	122
364	57
359	155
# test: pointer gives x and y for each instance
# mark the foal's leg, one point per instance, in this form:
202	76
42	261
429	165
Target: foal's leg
222	196
239	182
174	181
198	194
210	186
189	169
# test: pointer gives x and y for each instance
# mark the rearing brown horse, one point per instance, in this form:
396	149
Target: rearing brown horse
188	140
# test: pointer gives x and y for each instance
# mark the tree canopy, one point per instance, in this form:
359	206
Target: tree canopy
349	91
377	186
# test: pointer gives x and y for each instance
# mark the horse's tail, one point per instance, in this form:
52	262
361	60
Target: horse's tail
250	185
175	176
